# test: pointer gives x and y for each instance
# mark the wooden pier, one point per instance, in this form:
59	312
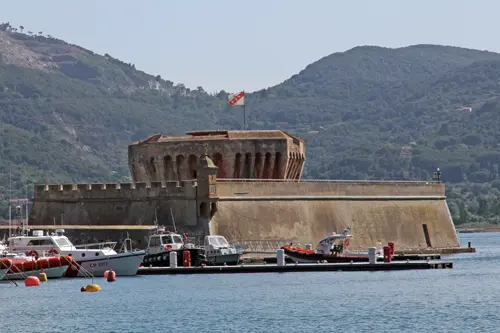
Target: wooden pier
272	268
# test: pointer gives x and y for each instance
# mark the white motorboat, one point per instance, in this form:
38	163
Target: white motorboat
94	258
220	252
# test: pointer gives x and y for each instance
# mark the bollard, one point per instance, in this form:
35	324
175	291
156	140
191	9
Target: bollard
280	257
372	255
309	247
186	256
469	245
387	254
173	259
391	245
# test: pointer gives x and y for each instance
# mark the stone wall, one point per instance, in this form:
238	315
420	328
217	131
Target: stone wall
254	210
307	212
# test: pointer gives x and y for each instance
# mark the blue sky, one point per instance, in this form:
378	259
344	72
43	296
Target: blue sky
250	45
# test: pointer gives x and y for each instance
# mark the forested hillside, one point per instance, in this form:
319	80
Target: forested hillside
68	114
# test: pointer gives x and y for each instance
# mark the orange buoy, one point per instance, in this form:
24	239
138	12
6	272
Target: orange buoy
106	274
111	276
32	281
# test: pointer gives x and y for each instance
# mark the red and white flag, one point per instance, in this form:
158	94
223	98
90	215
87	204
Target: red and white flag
237	99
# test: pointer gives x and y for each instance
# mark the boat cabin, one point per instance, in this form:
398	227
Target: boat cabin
164	241
215	242
56	243
334	244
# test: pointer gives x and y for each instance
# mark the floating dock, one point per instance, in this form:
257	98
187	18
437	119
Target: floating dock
411	257
271	268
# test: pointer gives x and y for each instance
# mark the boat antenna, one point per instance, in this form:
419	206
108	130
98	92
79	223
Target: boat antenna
156	219
10	203
173	220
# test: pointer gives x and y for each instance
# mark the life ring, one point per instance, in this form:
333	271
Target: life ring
167	247
32	253
53	251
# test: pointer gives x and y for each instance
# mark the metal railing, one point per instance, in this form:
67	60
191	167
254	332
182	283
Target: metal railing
97	246
261	245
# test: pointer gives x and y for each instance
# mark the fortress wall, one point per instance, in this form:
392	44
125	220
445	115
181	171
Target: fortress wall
115	212
399	221
117	192
328	188
116	204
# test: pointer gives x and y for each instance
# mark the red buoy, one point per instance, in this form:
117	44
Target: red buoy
187	258
32	281
111	276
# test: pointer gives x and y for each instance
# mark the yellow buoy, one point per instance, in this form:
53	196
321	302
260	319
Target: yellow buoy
42	277
91	288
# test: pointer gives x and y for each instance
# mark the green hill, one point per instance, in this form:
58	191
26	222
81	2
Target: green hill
68	114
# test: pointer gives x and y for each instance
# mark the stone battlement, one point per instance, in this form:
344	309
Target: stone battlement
185	188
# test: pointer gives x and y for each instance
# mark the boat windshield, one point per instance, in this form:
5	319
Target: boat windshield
40	242
171	239
218	241
62	242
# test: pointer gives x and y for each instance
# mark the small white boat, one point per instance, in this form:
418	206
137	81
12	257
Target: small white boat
220	252
95	258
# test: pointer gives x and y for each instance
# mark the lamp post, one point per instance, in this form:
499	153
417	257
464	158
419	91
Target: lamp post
437	176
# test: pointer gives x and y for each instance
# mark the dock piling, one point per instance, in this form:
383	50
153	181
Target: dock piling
173	259
372	255
280	257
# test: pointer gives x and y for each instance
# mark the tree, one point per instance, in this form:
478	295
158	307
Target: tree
464	214
21	28
483	207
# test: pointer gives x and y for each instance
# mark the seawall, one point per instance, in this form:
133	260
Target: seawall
414	215
305	212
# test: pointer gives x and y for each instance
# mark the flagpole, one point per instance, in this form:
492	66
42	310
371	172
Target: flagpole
244	114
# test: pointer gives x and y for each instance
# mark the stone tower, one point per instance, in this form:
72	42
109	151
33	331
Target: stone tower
237	155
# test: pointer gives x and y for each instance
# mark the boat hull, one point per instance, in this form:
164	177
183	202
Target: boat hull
315	257
52	273
123	264
162	259
221	259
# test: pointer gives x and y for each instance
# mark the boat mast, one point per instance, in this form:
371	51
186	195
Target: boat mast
173	220
27	200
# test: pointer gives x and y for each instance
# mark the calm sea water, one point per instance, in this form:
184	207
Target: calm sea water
463	299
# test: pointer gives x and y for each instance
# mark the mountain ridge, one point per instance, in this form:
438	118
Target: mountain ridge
68	115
